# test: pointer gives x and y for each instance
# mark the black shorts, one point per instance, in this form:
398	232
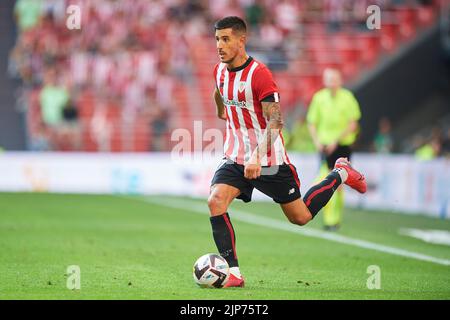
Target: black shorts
280	183
341	151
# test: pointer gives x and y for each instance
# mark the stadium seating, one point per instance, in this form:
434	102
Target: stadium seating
319	44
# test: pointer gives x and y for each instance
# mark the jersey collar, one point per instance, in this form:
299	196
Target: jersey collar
241	67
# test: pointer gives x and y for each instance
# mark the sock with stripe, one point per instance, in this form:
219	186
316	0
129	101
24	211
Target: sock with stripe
225	238
319	195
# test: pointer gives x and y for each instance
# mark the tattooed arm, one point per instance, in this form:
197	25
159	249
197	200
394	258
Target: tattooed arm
271	111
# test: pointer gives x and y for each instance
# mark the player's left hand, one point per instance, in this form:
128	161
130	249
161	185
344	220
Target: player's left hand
252	170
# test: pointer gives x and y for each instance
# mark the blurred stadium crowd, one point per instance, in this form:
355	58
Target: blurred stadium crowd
138	69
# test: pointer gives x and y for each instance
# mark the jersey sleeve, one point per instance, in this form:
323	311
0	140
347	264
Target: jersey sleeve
264	85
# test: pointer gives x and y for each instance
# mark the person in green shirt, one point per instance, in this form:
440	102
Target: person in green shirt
431	149
28	13
333	124
383	142
53	98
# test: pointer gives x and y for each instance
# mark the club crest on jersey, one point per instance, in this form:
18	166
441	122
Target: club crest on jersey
242	85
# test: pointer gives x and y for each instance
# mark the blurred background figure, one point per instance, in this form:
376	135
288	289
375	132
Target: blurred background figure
41	139
430	147
54	99
383	142
28	13
296	133
70	128
333	123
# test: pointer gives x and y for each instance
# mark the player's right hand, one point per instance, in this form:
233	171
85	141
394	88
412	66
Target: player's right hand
252	170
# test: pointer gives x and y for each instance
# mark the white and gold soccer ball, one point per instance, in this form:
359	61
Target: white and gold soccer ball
211	271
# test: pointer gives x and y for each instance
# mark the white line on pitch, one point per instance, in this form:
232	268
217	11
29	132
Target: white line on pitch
280	225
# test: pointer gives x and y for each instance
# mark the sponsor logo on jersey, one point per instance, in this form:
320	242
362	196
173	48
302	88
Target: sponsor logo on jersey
229	102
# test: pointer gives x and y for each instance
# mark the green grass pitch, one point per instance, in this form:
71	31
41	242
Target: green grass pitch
133	248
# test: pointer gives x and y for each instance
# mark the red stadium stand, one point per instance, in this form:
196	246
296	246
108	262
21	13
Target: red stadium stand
150	53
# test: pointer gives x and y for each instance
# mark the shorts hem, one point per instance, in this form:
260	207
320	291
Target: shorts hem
286	201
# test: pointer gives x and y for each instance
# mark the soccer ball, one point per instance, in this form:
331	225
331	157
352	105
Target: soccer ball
211	271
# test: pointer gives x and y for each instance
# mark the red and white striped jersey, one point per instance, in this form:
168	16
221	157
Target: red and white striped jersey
242	90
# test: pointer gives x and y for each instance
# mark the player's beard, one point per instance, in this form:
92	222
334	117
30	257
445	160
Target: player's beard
230	60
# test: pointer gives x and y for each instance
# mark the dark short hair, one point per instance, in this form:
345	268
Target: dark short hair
233	22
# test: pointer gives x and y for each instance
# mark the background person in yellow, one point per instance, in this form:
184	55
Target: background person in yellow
333	123
296	133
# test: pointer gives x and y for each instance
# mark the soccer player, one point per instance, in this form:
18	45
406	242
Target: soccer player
333	123
247	97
